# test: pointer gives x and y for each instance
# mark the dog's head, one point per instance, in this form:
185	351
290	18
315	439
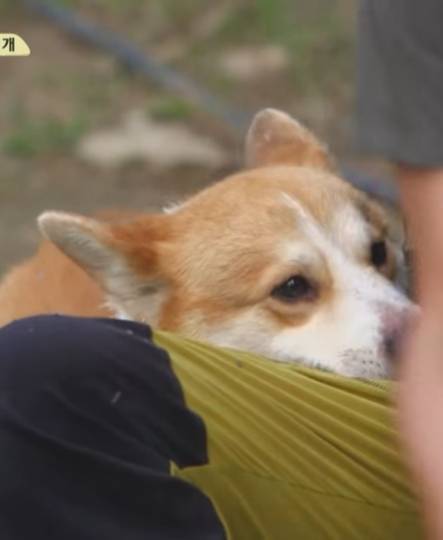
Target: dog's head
284	259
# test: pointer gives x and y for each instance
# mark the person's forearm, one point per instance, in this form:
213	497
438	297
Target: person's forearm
421	192
421	370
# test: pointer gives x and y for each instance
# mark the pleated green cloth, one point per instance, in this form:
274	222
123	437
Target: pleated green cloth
294	453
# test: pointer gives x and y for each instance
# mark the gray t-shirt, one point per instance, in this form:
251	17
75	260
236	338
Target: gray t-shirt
400	80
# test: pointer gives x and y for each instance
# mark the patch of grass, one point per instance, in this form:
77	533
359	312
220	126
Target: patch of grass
179	13
48	135
316	38
320	55
170	108
117	7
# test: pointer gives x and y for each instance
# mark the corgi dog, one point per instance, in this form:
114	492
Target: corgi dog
284	259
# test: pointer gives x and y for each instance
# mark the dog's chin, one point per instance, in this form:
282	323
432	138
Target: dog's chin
352	363
364	364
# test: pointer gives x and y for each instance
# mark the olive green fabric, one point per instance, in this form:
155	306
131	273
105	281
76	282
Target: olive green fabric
293	452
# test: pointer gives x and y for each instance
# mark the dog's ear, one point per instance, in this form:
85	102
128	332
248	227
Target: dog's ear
121	257
275	138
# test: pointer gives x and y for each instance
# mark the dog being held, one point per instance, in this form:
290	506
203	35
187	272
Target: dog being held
284	259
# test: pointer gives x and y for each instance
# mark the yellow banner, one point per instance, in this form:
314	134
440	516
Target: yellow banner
13	45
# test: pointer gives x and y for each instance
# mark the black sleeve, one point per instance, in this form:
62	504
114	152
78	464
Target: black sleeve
400	80
91	417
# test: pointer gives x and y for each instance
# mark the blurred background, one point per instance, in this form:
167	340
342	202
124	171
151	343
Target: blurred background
79	130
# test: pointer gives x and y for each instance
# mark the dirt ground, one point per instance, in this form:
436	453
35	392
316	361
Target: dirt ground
65	91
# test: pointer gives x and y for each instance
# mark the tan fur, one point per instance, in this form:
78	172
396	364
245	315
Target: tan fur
179	247
49	282
242	261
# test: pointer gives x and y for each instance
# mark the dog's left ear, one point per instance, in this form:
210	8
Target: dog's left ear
275	138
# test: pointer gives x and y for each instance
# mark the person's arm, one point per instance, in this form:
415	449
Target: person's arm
400	118
420	389
421	194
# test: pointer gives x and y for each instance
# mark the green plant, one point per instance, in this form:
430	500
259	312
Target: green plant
170	108
42	136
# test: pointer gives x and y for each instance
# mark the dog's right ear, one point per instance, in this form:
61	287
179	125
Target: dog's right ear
121	257
275	138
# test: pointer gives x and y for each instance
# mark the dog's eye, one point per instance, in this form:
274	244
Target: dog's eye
294	289
379	253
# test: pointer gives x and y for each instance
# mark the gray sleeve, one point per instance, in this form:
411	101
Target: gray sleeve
399	106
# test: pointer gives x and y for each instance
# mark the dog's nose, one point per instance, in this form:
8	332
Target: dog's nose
390	344
394	323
